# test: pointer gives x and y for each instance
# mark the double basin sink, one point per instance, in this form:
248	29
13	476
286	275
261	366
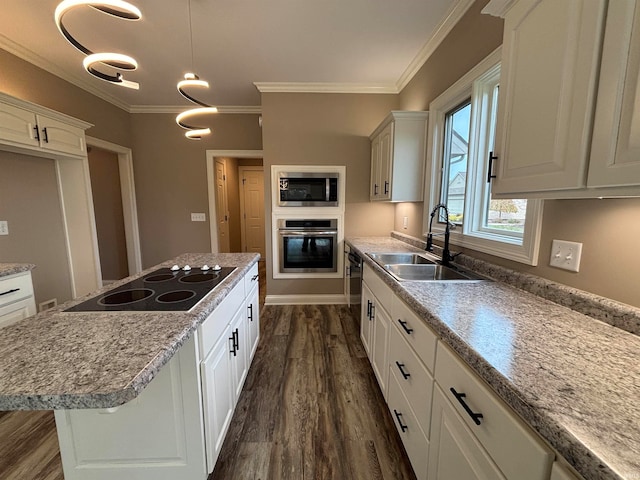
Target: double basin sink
422	268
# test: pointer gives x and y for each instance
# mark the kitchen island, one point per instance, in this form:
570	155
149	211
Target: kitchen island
573	379
96	370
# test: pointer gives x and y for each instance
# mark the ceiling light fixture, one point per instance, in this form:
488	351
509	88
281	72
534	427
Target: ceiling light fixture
116	8
192	80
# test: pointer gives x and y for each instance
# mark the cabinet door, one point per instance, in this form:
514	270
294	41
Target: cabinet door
374	185
366	321
253	321
386	156
379	362
18	125
57	136
615	152
217	391
547	94
454	452
239	352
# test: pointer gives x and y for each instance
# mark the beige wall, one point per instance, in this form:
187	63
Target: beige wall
28	82
325	129
30	203
171	179
107	206
608	229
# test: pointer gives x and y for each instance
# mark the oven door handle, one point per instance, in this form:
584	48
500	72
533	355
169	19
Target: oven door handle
306	233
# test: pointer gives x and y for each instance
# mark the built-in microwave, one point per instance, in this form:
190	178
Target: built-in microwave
308	189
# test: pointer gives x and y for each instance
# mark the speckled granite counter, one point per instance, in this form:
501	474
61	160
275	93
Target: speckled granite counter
100	359
12	268
574	379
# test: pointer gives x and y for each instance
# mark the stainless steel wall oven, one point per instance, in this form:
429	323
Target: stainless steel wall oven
308	245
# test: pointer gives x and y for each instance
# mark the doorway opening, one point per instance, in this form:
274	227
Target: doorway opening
115	212
236	201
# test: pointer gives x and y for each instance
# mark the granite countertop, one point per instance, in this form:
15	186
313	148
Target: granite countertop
60	360
13	268
572	378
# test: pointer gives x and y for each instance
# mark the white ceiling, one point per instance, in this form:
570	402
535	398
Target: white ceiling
293	45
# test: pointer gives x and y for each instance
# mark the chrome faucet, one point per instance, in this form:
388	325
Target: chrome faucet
446	254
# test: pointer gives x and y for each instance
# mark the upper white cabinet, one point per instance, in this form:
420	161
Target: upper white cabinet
39	129
397	157
568	118
615	151
549	74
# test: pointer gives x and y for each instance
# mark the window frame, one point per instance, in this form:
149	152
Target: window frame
472	234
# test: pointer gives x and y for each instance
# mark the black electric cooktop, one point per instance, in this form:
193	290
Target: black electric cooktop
161	290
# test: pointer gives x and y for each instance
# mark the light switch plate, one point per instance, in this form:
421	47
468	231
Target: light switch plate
198	217
4	227
566	255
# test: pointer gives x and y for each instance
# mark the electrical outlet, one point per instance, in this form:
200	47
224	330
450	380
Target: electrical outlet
566	255
4	227
198	217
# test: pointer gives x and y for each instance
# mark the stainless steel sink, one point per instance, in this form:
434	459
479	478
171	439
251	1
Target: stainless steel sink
427	273
401	258
421	268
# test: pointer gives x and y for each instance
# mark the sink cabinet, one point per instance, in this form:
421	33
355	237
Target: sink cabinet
176	426
398	149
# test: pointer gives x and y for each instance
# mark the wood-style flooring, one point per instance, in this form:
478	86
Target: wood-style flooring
310	409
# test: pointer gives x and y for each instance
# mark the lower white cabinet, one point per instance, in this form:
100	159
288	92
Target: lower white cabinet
366	321
176	427
455	453
16	298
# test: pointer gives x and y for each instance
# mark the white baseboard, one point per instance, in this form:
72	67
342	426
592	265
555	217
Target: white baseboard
328	299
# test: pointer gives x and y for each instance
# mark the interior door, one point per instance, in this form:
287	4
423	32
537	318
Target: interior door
252	209
222	208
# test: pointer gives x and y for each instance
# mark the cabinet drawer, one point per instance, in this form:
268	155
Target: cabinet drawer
15	287
251	278
413	377
383	293
416	332
413	438
214	326
516	449
16	311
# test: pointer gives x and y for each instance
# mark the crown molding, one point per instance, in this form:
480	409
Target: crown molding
311	87
40	62
453	17
242	109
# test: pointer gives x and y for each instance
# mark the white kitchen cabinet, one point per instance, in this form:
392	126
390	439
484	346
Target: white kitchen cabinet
23	124
16	298
492	427
398	149
156	436
176	427
253	314
218	395
549	75
366	321
615	151
454	452
561	472
377	301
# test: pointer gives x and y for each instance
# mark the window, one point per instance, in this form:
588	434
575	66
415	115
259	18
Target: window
461	135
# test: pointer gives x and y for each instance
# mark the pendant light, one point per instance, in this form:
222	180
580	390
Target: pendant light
118	61
192	80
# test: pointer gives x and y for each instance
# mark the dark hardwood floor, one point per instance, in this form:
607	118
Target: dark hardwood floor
310	409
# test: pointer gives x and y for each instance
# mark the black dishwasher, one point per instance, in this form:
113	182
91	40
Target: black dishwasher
354	295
